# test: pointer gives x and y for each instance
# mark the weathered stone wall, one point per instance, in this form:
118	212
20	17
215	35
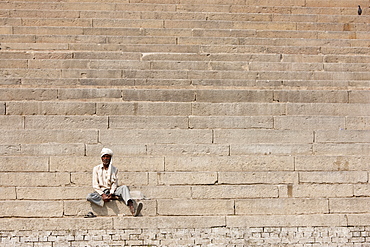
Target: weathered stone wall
241	122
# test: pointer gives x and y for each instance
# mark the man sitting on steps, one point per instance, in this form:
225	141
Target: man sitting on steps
105	184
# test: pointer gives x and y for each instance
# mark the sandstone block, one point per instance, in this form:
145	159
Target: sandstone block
145	122
8	193
119	149
226	122
188	149
54	22
127	178
358	96
52	149
58	224
12	64
24	164
271	149
257	177
188	178
358	123
361	190
34	179
343	136
234	95
49	108
10	149
156	136
164	222
11	122
287	220
52	193
48	136
309	123
165	192
91	93
281	206
144	108
191	207
237	109
332	163
112	208
158	95
234	192
328	109
58	64
229	163
91	73
349	205
31	209
342	177
124	164
66	122
263	136
341	149
28	94
2	108
322	190
358	219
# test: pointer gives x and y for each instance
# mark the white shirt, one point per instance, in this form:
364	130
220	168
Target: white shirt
105	179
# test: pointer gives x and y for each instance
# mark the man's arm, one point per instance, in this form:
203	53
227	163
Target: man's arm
95	181
114	180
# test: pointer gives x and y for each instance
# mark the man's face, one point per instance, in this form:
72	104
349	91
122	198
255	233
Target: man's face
106	159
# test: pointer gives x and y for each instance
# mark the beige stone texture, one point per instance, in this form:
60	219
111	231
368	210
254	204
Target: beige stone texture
358	96
42	224
164	222
181	207
361	190
113	208
126	178
124	164
49	136
119	149
287	220
238	109
144	122
34	179
156	136
144	109
52	193
323	190
349	205
8	193
358	123
229	122
327	109
342	149
66	122
229	164
358	219
309	123
45	209
281	206
257	177
263	136
271	149
10	149
165	192
187	178
49	108
24	164
341	177
343	136
11	122
234	95
332	163
158	95
188	149
51	149
234	191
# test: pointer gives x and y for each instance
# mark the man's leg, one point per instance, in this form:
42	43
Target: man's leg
95	198
124	193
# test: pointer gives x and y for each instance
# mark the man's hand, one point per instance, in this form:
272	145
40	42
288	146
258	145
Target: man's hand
106	197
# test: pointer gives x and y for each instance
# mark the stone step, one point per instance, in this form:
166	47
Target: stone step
63	95
182	108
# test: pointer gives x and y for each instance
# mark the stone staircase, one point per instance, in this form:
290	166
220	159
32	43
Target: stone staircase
244	115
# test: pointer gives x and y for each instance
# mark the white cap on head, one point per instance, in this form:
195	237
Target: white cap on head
105	151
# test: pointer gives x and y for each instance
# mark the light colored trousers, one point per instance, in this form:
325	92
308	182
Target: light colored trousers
122	191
